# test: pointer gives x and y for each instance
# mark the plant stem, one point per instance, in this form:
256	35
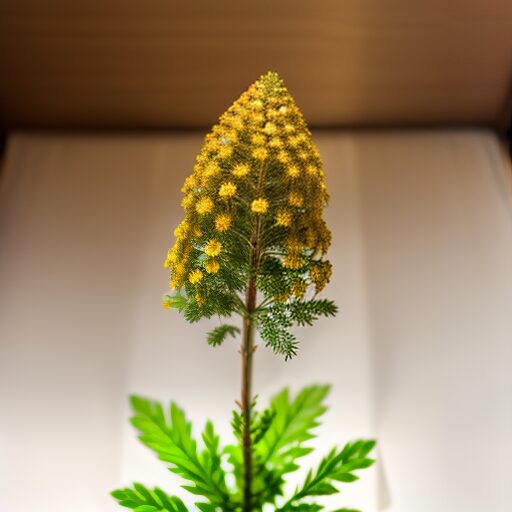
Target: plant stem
247	351
247	356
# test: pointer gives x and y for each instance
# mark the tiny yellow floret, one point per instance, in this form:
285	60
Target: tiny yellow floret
204	205
292	171
283	218
311	169
258	139
292	261
227	189
213	248
283	157
320	274
275	142
212	266
236	122
270	128
195	276
258	118
295	199
260	153
181	230
187	201
259	206
190	183
211	169
298	289
241	170
225	151
171	257
222	222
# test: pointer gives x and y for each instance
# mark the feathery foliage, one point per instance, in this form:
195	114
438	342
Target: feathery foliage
218	335
170	437
280	435
141	499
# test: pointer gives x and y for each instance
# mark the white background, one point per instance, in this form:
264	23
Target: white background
420	355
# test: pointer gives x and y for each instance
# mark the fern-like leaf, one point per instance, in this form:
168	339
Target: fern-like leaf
337	466
291	425
170	437
274	323
305	312
141	499
218	335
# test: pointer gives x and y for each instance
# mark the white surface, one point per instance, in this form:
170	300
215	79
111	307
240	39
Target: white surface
419	355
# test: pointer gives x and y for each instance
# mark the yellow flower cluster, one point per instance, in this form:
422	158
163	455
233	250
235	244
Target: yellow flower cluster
258	171
320	274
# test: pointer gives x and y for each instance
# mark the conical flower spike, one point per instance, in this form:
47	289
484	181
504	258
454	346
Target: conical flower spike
253	207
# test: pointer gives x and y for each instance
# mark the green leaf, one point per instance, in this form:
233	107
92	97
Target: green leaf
176	301
291	425
274	323
141	499
337	466
218	335
170	437
306	312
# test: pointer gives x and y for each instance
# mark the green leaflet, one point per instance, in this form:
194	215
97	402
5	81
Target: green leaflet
291	426
218	335
337	466
275	320
141	499
170	437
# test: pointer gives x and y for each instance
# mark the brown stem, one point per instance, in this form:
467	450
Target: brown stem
247	352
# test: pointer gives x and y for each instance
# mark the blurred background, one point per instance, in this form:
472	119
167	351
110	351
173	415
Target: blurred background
103	107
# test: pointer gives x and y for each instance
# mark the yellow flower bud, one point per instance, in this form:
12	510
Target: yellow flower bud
241	170
204	205
258	139
195	276
213	248
212	266
292	171
225	151
227	189
295	199
260	153
259	206
222	222
283	218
